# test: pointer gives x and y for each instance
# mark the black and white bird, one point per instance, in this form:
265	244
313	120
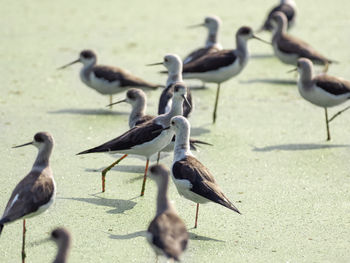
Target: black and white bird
192	179
107	80
222	65
138	101
36	192
167	233
287	7
212	23
145	139
323	90
63	240
173	63
289	49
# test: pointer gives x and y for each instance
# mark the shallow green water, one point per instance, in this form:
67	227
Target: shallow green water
269	157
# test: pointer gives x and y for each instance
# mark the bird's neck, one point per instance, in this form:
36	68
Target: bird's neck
289	2
176	109
137	112
163	202
212	38
280	30
43	158
242	48
306	76
174	76
182	145
85	71
62	253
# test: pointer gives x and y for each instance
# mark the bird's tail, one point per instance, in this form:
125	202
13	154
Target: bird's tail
229	205
194	143
1	227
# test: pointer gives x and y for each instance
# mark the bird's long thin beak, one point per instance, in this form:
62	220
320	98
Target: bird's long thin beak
262	40
120	101
39	242
69	64
292	70
22	145
160	130
155	64
195	26
186	101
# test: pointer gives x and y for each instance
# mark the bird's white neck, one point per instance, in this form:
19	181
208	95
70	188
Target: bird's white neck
85	71
176	109
306	76
212	38
182	144
174	75
242	49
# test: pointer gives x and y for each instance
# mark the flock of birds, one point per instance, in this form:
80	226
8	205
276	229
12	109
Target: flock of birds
170	130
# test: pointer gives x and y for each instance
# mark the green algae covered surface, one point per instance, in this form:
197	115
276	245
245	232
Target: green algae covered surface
269	155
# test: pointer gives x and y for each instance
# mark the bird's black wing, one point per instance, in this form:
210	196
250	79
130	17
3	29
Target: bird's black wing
203	183
138	135
210	62
332	84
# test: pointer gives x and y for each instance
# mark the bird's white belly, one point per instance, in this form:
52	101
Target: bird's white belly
287	58
183	187
103	86
321	98
217	76
147	149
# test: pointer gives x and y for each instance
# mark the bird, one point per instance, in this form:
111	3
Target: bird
173	63
62	238
322	90
167	233
138	101
289	49
145	139
212	23
107	80
287	7
192	179
222	65
36	192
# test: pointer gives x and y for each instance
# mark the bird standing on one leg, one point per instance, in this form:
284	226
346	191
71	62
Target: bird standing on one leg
35	193
222	65
107	80
322	90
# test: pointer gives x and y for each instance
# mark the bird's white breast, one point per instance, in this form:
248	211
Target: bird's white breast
103	86
286	58
219	75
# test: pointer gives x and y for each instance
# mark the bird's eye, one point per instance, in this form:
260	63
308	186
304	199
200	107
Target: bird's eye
166	60
54	234
172	123
38	138
176	89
